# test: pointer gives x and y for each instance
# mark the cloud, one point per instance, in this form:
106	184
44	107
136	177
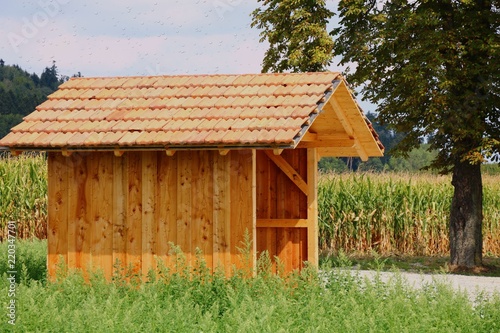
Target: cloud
134	37
104	55
131	37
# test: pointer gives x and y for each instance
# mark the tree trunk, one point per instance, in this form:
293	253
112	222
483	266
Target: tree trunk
466	217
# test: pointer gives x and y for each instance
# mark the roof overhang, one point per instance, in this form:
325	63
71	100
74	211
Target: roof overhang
341	129
219	112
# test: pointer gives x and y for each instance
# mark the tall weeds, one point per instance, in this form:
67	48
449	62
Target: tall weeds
194	300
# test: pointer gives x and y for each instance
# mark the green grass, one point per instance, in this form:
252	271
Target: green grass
200	302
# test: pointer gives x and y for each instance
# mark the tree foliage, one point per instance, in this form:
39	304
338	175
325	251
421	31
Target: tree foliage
297	35
21	92
432	66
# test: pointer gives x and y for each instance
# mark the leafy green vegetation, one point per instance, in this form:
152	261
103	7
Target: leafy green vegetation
195	300
296	33
31	260
429	65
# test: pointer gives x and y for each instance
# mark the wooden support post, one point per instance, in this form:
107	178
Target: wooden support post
312	206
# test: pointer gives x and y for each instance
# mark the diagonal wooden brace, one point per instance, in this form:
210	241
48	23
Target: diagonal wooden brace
288	170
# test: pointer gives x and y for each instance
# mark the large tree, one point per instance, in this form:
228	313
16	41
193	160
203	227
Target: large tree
432	65
296	33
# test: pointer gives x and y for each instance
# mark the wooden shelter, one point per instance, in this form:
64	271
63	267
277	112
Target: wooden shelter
137	162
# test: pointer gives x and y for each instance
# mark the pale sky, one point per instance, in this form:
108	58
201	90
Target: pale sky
133	37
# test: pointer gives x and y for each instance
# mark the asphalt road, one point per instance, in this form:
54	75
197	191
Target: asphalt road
470	284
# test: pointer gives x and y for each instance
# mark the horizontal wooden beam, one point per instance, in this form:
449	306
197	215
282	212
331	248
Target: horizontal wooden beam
288	170
327	142
337	152
282	223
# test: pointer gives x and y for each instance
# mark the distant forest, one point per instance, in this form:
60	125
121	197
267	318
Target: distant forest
21	92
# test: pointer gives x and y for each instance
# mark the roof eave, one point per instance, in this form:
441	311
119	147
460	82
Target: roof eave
104	148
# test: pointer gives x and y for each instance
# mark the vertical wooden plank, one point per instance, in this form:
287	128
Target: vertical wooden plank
222	212
243	204
202	204
73	185
281	246
167	206
263	186
57	232
134	212
282	194
273	183
294	233
303	246
149	225
78	211
302	232
295	191
303	173
266	237
261	241
312	204
101	170
184	202
86	220
120	195
296	257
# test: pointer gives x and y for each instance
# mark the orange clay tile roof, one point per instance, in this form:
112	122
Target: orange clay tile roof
253	110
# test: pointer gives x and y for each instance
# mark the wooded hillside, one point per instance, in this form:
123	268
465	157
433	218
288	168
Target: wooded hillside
21	92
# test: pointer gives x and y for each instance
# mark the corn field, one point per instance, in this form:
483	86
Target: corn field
23	195
397	213
388	213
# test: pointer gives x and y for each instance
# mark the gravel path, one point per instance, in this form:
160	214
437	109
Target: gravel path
470	284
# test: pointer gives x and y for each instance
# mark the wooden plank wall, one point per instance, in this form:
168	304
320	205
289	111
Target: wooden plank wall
104	208
279	198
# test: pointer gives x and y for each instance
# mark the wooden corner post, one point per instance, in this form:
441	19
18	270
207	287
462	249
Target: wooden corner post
312	206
